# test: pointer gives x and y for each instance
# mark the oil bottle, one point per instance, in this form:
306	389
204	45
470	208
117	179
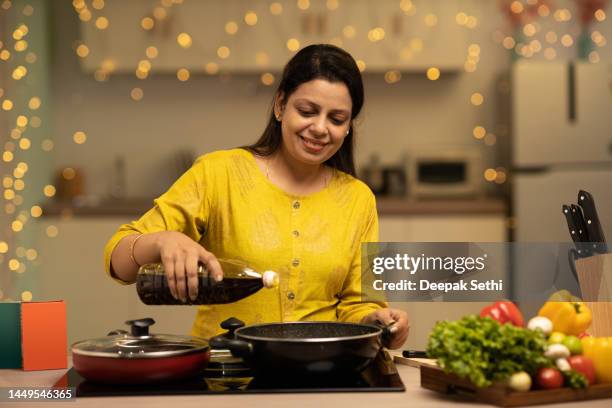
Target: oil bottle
239	281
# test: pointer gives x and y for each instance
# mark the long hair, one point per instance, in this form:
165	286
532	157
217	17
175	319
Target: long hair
319	61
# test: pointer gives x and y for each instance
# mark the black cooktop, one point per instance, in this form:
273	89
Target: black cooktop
380	376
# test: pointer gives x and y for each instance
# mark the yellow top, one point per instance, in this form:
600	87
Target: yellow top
227	204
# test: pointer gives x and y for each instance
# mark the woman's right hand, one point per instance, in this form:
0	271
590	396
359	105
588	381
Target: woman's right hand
180	256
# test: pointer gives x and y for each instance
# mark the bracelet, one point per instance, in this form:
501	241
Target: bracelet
132	250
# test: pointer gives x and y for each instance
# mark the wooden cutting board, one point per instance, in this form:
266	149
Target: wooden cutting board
434	378
415	362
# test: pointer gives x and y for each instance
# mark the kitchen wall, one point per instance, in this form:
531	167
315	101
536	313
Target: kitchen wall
209	113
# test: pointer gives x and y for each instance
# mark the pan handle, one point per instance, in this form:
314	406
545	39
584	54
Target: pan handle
386	331
239	348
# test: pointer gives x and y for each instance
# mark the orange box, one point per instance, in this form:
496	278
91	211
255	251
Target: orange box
44	343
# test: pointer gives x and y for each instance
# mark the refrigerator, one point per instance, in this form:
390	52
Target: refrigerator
562	142
561	121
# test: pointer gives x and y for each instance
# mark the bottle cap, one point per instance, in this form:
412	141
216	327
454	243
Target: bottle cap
270	279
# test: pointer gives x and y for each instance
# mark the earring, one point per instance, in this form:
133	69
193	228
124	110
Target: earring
348	131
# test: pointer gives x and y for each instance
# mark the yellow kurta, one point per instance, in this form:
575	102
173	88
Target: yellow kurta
227	204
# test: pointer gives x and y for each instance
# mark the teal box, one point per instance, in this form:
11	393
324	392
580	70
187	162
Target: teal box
10	335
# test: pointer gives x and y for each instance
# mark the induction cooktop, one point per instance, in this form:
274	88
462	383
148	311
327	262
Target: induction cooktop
380	376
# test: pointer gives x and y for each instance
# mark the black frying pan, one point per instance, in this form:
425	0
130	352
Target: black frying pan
305	348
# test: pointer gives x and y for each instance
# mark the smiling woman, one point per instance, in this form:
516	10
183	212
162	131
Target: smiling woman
289	203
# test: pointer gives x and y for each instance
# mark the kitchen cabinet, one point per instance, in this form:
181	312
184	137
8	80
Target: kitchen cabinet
424	35
561	114
442	228
439	228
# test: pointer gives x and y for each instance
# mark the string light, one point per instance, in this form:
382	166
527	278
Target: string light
431	20
211	68
361	65
79	137
184	40
600	15
36	211
102	23
151	52
34	103
349	31
392	77
376	34
147	23
52	231
433	74
267	79
276	8
160	13
476	99
182	74
250	18
303	4
567	40
136	94
479	132
82	51
293	44
223	52
231	27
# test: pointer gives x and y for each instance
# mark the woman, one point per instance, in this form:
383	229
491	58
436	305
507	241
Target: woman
289	203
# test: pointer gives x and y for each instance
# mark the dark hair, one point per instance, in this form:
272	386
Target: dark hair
319	61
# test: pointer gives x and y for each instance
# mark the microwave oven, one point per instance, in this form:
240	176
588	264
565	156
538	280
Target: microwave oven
444	173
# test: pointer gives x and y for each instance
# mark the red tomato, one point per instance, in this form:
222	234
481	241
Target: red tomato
549	378
584	366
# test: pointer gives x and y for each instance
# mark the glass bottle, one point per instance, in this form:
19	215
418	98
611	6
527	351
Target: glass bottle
239	281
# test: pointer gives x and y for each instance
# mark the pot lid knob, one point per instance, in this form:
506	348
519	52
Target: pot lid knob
140	327
231	325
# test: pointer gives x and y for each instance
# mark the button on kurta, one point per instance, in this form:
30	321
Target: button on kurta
296	233
290	295
295	262
296	205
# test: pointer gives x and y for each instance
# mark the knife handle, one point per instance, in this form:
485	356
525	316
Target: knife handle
414	354
593	226
567	211
584	248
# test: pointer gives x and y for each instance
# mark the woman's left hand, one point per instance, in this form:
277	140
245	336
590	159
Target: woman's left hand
399	330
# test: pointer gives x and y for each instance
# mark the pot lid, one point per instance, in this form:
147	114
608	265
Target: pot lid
139	343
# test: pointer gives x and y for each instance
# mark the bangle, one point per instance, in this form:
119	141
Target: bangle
132	250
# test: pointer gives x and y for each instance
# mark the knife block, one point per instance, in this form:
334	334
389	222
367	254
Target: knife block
595	278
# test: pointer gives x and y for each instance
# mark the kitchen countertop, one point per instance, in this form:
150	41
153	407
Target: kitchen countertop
386	206
415	396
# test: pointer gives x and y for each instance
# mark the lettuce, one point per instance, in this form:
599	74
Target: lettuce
483	350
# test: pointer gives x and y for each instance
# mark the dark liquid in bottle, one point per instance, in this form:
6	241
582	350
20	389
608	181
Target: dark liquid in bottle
153	290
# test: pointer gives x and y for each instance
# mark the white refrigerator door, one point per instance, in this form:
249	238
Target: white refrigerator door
538	198
543	128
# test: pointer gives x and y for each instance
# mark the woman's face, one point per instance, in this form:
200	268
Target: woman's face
315	120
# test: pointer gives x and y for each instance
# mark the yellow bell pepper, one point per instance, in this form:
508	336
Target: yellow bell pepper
599	349
567	317
563	295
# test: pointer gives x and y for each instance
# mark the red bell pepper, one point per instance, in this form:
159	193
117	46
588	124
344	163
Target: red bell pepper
504	312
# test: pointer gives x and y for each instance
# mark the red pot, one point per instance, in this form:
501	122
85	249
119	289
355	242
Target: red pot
139	357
